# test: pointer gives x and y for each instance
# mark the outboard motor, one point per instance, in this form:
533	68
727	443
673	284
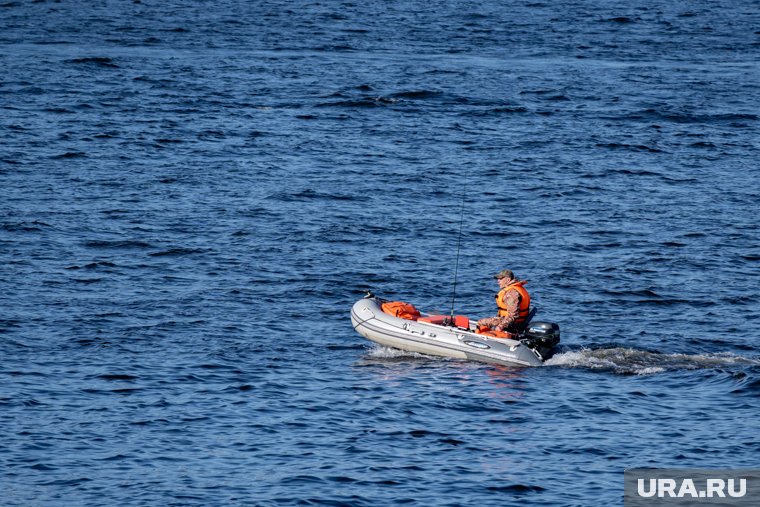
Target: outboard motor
543	337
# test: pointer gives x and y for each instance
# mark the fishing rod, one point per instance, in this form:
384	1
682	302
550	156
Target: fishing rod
459	244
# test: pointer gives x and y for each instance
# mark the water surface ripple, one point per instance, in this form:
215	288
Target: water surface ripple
195	194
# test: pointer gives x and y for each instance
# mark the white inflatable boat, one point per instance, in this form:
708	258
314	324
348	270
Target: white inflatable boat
443	336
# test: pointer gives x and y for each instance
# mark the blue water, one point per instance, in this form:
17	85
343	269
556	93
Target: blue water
195	193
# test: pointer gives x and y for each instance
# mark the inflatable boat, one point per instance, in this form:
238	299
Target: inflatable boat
399	325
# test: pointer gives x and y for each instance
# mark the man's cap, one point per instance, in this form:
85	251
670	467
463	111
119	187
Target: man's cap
505	273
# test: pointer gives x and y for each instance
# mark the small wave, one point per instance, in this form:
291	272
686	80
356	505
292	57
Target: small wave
363	102
516	488
309	194
92	265
65	482
69	154
34	226
370	101
87	280
667	115
125	244
335	47
116	376
417	94
43	467
748	386
177	251
629	147
620	19
498	111
94	60
628	361
58	110
702	144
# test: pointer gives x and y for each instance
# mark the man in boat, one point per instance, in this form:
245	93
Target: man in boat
513	303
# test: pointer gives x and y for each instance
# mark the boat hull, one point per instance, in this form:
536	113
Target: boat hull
370	321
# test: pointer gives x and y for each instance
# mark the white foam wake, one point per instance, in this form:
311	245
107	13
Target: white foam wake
381	352
641	362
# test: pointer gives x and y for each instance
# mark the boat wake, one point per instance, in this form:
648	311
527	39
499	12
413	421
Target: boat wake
620	360
628	361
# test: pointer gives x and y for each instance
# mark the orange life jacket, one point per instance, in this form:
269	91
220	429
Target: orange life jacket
523	306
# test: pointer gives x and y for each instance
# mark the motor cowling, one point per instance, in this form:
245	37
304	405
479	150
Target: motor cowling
542	337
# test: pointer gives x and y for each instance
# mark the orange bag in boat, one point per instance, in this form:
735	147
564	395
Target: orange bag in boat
441	320
487	331
445	320
401	310
462	321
